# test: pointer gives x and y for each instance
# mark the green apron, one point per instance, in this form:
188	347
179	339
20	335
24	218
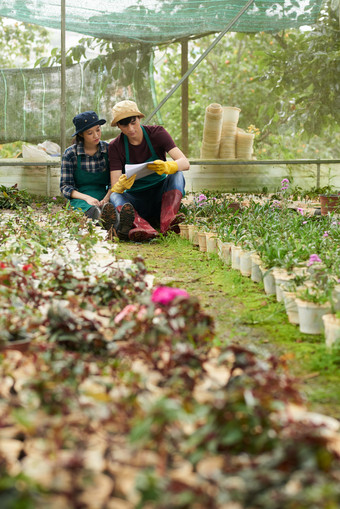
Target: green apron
149	180
93	184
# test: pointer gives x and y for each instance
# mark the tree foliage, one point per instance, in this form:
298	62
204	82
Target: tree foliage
20	43
306	67
286	84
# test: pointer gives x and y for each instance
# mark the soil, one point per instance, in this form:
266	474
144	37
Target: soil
243	313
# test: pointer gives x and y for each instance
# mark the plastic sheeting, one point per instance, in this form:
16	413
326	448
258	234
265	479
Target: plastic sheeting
30	98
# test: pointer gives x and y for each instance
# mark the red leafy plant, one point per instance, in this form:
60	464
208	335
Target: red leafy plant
170	315
245	445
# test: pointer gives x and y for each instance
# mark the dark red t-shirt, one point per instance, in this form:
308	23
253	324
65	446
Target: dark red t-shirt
160	140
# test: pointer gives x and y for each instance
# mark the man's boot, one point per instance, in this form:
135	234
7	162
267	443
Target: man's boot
141	230
171	202
127	217
109	217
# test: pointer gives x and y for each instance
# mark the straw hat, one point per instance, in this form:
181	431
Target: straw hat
125	109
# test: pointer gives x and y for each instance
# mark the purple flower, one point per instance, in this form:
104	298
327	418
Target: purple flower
300	211
54	198
276	203
325	234
304	222
284	187
201	197
285	181
165	294
314	258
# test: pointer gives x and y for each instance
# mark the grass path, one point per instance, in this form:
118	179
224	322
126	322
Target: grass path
244	314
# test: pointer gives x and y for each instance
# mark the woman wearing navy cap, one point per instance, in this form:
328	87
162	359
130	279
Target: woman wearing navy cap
85	175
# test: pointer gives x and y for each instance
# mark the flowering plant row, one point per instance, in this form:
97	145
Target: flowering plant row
284	234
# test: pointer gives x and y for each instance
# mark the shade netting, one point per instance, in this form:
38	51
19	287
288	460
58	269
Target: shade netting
30	98
162	21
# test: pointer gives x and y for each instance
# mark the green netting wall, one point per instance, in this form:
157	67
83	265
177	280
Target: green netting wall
157	21
30	98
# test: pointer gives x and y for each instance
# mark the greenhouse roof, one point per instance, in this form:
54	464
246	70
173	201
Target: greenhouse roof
162	21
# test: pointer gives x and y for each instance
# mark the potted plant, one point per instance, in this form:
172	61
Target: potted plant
330	201
14	336
313	302
331	322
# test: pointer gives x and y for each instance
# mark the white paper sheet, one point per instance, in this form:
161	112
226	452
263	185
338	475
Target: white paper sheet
140	170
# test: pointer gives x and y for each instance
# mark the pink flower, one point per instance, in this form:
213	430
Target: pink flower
314	258
54	198
304	222
300	210
201	198
27	267
284	187
125	313
165	294
325	234
285	181
2	265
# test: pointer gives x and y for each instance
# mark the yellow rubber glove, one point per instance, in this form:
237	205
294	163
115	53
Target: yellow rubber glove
160	167
123	184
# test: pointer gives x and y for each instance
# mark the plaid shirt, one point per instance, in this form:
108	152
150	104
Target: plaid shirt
92	164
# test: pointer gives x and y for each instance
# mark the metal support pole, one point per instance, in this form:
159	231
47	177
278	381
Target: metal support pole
185	98
318	172
199	60
63	79
48	180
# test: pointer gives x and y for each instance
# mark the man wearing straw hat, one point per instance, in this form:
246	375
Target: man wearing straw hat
155	197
